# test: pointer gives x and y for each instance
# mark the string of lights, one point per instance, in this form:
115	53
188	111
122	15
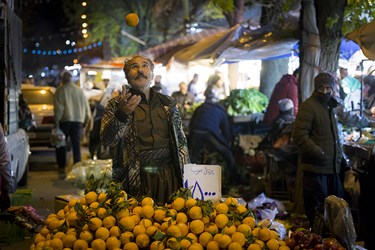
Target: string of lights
35	50
84	30
59	52
26	3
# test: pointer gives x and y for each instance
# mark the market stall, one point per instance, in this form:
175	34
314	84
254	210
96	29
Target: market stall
362	151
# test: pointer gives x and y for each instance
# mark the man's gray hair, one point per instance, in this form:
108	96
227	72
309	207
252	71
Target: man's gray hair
126	67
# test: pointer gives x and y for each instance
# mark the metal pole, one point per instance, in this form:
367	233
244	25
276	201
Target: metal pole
185	10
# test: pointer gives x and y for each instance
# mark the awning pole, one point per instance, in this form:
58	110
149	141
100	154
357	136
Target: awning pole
123	32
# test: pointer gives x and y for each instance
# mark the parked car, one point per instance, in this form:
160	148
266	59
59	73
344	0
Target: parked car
41	101
19	150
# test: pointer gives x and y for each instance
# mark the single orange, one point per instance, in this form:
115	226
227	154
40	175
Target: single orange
132	19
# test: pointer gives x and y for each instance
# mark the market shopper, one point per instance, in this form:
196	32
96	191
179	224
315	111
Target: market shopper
369	96
209	128
192	87
158	86
183	98
215	83
316	134
72	113
5	175
286	87
143	128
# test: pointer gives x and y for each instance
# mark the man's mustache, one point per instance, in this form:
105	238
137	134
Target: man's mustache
140	75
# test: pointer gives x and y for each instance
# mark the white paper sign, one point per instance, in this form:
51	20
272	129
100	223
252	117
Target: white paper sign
205	181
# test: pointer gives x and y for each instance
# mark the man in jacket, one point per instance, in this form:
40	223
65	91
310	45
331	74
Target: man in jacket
183	98
209	128
72	112
143	128
316	135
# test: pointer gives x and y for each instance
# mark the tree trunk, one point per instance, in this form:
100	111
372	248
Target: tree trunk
236	16
272	71
330	17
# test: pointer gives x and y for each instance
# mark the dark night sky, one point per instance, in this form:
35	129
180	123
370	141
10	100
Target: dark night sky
44	23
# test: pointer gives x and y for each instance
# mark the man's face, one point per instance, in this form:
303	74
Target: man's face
183	88
343	73
325	89
140	73
325	92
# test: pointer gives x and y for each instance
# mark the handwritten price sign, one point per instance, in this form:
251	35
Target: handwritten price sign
204	181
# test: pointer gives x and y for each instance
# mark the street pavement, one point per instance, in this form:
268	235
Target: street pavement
45	182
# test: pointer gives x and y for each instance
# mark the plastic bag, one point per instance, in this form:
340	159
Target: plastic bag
57	138
352	185
338	219
81	171
265	208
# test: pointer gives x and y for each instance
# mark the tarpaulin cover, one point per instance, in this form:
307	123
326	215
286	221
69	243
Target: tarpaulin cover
365	38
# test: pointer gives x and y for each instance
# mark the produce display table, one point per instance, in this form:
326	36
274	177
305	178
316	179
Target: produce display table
363	158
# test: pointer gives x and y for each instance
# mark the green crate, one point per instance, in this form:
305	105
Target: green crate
22	197
10	232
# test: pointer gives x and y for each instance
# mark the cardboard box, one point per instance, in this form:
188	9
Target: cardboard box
204	181
62	200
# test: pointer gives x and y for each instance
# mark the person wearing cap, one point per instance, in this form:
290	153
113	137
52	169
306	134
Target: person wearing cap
283	124
72	113
316	135
209	127
350	88
287	87
143	128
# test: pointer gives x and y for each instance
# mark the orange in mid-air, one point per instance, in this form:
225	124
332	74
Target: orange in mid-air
132	19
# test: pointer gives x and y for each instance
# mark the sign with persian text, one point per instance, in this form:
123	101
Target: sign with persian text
204	181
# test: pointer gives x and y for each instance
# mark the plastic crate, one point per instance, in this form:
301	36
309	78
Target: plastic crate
22	197
10	232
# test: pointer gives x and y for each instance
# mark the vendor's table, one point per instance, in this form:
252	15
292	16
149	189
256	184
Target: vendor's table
363	156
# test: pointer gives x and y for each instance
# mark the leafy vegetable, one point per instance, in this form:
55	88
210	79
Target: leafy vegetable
245	102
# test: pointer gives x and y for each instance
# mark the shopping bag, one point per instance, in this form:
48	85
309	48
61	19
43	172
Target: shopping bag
57	138
204	181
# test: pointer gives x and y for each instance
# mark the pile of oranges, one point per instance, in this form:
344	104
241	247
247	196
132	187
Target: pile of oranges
108	220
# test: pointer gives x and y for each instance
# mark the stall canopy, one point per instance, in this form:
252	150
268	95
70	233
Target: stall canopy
163	52
347	49
238	43
210	47
365	38
224	44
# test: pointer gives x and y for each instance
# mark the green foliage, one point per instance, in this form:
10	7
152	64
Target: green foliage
162	20
209	12
245	102
331	22
182	192
225	5
193	107
357	13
